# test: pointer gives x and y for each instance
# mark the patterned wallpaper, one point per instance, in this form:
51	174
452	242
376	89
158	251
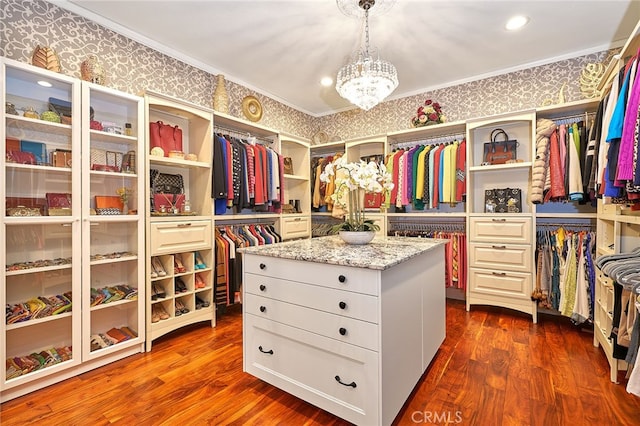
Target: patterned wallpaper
133	67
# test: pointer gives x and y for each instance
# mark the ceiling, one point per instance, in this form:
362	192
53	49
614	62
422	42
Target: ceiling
283	48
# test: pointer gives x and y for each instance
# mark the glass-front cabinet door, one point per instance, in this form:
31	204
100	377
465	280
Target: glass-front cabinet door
40	223
113	221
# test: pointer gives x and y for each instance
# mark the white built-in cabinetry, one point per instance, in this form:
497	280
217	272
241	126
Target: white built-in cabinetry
618	231
290	225
179	245
80	273
501	246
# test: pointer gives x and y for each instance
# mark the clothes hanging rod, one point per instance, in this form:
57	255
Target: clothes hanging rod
238	133
567	224
239	222
575	117
430	141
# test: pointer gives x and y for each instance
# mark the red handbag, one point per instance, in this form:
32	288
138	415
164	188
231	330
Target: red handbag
21	157
167	137
372	200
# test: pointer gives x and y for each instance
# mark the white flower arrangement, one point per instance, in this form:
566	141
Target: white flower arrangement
352	180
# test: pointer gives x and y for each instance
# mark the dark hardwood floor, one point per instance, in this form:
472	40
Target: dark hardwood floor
494	368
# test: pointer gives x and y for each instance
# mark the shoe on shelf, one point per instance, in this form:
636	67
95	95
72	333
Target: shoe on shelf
178	265
153	273
199	262
155	314
199	282
180	286
181	307
157	265
157	292
162	313
200	303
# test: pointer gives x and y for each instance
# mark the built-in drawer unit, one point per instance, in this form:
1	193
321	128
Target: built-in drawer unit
344	377
501	229
174	237
499	256
296	227
340	302
500	283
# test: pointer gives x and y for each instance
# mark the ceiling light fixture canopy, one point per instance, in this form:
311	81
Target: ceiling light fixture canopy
366	81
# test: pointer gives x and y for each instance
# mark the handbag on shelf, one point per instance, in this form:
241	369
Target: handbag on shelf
167	191
499	152
166	182
58	204
167	137
20	157
372	200
503	200
167	203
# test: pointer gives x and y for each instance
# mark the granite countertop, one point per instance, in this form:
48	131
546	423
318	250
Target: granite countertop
382	253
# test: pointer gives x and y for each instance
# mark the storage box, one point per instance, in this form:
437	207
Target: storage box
61	158
12	144
38	149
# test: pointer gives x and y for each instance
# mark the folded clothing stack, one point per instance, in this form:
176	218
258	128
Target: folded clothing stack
38	307
20	365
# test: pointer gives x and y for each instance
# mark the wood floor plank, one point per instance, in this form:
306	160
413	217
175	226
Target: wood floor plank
494	368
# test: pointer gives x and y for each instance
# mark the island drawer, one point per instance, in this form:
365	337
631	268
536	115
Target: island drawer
281	355
174	237
359	280
338	327
353	305
511	257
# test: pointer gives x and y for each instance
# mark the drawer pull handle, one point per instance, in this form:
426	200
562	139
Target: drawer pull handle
499	274
342	305
499	247
342	278
352	384
499	220
263	266
263	308
263	287
297	219
183	225
270	351
343	331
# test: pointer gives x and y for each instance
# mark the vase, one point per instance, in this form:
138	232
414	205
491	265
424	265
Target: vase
220	97
357	237
91	70
125	208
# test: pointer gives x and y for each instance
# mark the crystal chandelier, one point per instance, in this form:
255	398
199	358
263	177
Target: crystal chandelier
366	81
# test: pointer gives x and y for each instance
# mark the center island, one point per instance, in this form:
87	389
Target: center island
350	329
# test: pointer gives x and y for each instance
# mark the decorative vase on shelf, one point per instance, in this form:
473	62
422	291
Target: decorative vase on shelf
357	237
91	70
220	97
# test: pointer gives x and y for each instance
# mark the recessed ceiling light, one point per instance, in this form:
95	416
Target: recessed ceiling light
326	81
45	83
516	22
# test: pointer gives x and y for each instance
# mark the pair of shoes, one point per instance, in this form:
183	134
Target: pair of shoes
201	303
157	292
199	262
158	313
178	265
180	286
199	282
181	308
157	267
